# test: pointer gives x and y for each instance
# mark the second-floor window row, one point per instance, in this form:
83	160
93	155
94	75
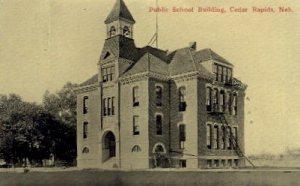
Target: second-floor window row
109	106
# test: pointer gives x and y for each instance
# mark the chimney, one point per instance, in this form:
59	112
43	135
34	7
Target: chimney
193	45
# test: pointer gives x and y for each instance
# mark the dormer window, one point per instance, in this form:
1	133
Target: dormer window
112	31
222	73
108	73
126	31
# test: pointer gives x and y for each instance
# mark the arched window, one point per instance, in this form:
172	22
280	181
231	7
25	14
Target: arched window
158	92
112	31
85	150
215	100
135	95
208	136
181	95
159	148
85	104
182	136
136	148
159	124
208	99
126	31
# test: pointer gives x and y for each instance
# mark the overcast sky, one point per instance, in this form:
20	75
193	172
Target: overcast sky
45	43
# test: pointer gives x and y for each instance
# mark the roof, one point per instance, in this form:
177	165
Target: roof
92	80
119	11
208	54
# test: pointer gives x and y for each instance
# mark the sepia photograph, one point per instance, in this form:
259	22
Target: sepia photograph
150	92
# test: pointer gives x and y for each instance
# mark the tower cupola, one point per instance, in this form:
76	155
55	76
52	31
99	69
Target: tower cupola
119	21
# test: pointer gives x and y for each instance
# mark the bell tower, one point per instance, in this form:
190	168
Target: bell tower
119	21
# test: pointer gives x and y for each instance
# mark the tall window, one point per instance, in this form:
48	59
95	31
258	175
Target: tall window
108	73
113	106
216	137
215	100
208	99
135	95
222	101
158	91
234	137
223	144
181	136
208	136
228	138
85	104
158	124
108	106
126	31
104	107
215	71
112	31
234	102
85	129
136	127
182	103
220	73
229	75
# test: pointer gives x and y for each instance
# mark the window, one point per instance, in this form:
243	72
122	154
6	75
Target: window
223	144
181	136
228	140
222	101
209	163
208	99
236	162
85	104
112	106
182	163
108	73
85	150
234	104
223	163
136	127
216	137
182	103
234	138
135	95
216	163
108	106
112	31
215	100
208	136
136	148
104	107
222	73
159	149
126	31
85	129
158	124
158	91
229	163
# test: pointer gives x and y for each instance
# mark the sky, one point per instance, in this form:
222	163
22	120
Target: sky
44	44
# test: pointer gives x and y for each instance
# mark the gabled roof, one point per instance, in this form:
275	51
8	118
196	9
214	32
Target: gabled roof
119	11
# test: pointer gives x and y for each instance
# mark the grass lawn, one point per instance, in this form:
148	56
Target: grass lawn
140	178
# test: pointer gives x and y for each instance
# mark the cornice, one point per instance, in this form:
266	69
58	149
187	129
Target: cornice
87	88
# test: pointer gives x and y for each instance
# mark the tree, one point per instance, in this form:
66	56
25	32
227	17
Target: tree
62	104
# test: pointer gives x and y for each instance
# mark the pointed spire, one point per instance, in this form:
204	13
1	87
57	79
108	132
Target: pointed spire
119	11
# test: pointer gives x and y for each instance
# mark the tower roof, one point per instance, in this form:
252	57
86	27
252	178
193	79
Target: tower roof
119	11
